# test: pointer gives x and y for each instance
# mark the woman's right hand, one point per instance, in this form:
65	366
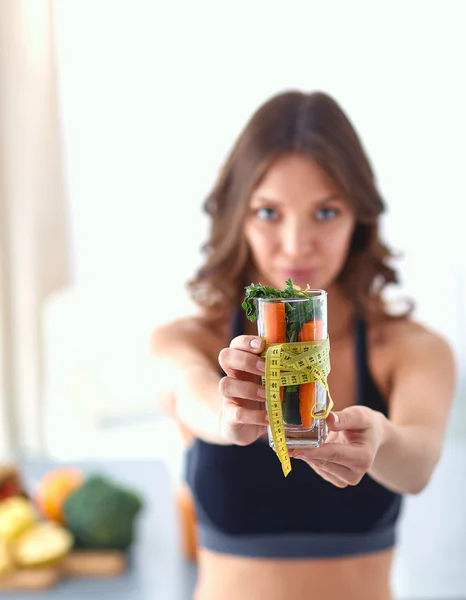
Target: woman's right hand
243	418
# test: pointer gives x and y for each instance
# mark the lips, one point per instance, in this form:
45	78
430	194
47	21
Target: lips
301	277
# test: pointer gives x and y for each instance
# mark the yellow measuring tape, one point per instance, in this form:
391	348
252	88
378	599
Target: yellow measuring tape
293	364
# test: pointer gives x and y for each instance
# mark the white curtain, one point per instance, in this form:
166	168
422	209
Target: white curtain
33	224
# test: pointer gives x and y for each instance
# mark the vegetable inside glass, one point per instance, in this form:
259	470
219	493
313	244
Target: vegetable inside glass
291	320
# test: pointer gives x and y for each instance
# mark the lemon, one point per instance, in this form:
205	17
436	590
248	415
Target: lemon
17	515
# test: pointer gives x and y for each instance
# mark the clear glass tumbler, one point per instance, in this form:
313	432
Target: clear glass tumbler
282	320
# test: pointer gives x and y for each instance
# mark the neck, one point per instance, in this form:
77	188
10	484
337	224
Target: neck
340	311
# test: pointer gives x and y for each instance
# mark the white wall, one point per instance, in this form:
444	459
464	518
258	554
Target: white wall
153	94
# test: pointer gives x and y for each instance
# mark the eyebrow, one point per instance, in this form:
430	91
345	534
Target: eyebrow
269	200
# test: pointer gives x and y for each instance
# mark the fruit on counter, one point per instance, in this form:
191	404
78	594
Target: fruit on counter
44	543
17	514
101	514
6	562
53	489
10	482
25	540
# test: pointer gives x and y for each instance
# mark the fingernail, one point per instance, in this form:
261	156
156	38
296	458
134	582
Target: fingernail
266	417
256	343
336	417
299	457
261	365
261	392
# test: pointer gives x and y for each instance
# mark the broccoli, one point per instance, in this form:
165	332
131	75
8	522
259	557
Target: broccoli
101	514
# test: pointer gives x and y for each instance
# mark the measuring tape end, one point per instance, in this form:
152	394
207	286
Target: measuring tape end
286	468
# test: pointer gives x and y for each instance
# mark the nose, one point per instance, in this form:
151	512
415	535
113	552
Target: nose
297	239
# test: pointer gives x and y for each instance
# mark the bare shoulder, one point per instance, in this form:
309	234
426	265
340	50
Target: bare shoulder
190	336
402	339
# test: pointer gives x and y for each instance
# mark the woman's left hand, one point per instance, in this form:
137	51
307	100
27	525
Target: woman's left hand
355	435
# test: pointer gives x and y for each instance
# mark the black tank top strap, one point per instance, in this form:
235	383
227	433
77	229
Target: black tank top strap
368	393
237	322
236	328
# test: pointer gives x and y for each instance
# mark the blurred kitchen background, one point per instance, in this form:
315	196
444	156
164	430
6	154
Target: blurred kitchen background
114	119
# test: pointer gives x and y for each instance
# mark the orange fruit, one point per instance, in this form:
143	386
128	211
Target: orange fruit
54	488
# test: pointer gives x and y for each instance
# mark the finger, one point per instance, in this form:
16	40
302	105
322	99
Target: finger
234	361
344	474
248	343
235	414
237	388
330	477
355	418
355	457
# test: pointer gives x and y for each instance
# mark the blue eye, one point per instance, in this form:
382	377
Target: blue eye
266	214
324	214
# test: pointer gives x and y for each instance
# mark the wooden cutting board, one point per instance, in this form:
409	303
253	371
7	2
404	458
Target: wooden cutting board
76	564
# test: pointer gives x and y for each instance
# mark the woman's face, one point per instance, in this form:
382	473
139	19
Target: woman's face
298	225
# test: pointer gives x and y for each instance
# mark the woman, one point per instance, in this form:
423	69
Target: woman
297	198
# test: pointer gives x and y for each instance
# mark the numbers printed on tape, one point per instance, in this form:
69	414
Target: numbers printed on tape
274	406
293	364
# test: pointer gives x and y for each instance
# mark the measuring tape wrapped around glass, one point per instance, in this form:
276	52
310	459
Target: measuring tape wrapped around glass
293	364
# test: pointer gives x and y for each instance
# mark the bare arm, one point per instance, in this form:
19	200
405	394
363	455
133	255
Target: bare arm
420	402
186	378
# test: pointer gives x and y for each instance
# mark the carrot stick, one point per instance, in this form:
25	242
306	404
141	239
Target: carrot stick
310	331
274	322
274	325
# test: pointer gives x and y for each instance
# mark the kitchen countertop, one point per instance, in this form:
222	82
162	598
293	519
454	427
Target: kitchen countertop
157	568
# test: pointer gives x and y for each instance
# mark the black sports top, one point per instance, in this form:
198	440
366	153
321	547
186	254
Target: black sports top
245	506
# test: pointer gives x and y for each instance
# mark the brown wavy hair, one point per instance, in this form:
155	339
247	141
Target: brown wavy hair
311	124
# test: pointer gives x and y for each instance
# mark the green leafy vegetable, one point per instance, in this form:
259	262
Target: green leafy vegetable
257	290
298	314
